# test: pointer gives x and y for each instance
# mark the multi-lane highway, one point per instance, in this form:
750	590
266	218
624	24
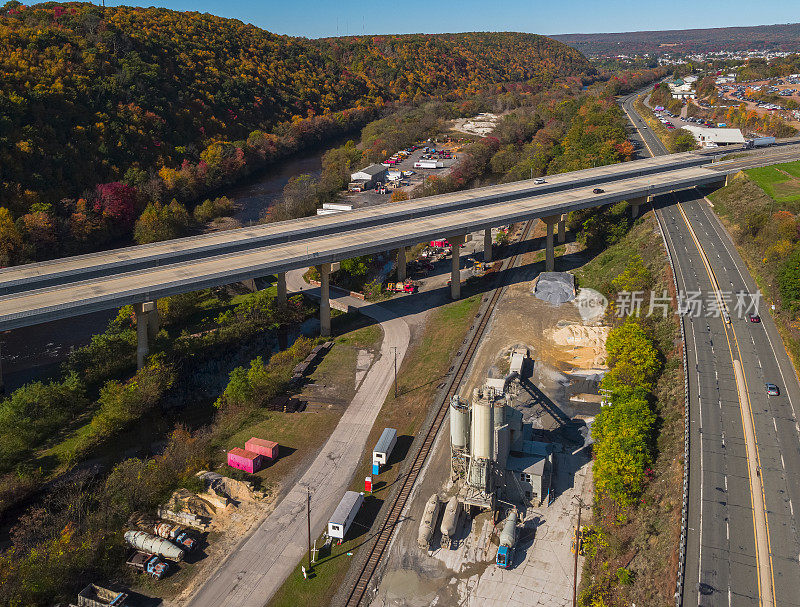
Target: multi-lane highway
743	545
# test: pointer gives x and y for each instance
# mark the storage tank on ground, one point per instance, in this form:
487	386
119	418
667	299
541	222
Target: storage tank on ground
481	434
154	545
450	522
459	423
429	517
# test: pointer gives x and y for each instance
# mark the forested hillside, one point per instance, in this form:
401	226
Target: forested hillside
89	95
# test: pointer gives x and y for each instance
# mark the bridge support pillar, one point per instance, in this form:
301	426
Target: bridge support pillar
487	245
455	269
635	203
562	229
549	254
281	296
401	264
146	329
324	299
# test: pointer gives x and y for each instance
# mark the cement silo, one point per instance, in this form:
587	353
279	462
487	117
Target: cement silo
482	430
459	423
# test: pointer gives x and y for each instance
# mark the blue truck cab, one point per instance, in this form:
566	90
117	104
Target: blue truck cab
504	557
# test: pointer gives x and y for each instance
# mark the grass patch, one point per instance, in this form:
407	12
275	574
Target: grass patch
423	369
781	182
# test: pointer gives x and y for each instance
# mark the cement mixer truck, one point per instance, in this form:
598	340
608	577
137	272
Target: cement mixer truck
429	516
508	538
153	544
452	514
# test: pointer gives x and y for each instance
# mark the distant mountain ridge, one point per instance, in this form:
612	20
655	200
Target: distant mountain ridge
780	37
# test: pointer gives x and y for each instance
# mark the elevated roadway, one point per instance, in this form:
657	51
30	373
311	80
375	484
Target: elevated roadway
60	289
84	267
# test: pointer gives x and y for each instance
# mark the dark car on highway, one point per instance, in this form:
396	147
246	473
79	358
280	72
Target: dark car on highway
772	390
598	191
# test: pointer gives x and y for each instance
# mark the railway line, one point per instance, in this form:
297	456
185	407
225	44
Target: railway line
358	592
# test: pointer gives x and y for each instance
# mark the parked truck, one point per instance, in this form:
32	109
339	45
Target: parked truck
760	142
147	542
508	539
426	525
452	514
401	287
148	563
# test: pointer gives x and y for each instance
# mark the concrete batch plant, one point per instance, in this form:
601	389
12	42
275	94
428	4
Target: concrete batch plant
492	454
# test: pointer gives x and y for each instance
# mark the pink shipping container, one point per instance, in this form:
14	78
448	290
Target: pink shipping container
245	460
267	448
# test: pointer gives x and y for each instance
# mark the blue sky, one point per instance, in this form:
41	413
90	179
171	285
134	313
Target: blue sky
329	18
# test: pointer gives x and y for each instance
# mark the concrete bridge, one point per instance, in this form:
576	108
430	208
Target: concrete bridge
62	288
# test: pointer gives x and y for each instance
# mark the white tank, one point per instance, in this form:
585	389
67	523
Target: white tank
450	521
459	424
509	534
429	516
481	434
154	545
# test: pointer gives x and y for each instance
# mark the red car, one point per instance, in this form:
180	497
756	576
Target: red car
755	318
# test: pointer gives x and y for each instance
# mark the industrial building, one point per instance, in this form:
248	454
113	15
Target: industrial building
369	176
493	455
708	137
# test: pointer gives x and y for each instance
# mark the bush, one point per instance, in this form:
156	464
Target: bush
161	222
211	209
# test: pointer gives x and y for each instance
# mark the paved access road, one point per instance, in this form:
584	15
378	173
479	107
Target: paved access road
726	503
257	568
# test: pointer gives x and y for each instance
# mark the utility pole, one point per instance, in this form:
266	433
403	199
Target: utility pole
395	370
577	550
308	510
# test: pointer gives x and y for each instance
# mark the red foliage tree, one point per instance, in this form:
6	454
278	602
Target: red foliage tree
118	201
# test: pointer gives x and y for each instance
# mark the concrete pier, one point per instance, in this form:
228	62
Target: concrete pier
550	264
146	329
281	297
325	299
401	264
455	269
487	245
562	229
636	203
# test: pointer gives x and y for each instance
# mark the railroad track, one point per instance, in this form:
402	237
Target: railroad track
359	590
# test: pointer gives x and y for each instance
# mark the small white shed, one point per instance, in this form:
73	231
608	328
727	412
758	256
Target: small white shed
345	514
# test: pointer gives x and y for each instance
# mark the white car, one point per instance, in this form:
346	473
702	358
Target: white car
538	180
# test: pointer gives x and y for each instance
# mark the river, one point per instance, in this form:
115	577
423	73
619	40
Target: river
33	353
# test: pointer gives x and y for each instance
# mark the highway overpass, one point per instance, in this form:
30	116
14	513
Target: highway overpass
68	287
